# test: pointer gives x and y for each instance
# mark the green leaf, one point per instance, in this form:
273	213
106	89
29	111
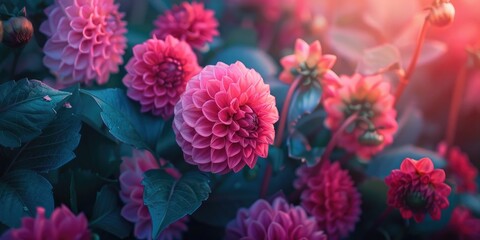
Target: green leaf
168	199
124	119
21	192
54	147
305	100
250	56
379	60
382	164
106	213
299	148
26	107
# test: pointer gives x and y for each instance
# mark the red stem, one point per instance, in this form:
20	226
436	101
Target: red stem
455	105
333	141
405	79
279	137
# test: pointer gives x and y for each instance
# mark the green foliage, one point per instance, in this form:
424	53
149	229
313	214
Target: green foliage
124	120
106	213
26	107
169	199
21	192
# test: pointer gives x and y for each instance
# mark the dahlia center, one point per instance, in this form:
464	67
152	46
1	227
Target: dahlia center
169	73
247	119
363	108
308	73
416	201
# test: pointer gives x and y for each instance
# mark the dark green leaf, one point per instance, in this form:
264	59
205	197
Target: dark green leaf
382	164
21	192
124	119
250	56
106	213
380	59
299	148
26	107
304	100
169	199
55	146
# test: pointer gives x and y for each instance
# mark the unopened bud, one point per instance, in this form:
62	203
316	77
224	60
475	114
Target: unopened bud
442	13
371	138
17	32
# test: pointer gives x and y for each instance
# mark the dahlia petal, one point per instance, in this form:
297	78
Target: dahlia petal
424	165
301	50
256	231
210	110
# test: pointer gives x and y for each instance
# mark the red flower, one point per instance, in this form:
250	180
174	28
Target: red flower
463	225
191	23
330	197
225	118
417	189
459	168
158	73
371	100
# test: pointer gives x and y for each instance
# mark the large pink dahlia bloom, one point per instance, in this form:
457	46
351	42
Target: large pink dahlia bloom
189	22
131	193
225	118
417	189
158	73
330	196
86	40
369	98
277	221
62	225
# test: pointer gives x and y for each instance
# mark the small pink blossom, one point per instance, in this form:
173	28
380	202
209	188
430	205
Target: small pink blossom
131	193
459	168
158	73
189	22
369	98
225	118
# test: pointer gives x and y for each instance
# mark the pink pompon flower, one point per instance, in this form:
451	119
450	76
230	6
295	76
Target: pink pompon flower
277	221
189	22
86	40
417	189
158	73
131	193
330	196
308	62
225	118
459	168
62	225
369	98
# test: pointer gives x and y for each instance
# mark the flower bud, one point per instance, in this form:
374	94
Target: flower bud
17	32
442	13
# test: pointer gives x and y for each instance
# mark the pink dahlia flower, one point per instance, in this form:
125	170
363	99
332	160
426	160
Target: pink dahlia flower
331	197
86	40
158	73
417	188
62	225
189	22
277	221
131	193
369	98
225	118
308	62
459	167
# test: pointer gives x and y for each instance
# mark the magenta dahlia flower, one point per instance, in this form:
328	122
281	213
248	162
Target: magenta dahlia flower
309	62
189	22
417	189
463	225
131	193
369	98
330	196
225	118
158	73
62	225
459	168
86	40
277	221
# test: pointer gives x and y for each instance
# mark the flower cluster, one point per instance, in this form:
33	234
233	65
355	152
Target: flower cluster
277	221
62	225
131	193
225	118
86	40
330	196
459	168
191	23
417	189
368	103
158	73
